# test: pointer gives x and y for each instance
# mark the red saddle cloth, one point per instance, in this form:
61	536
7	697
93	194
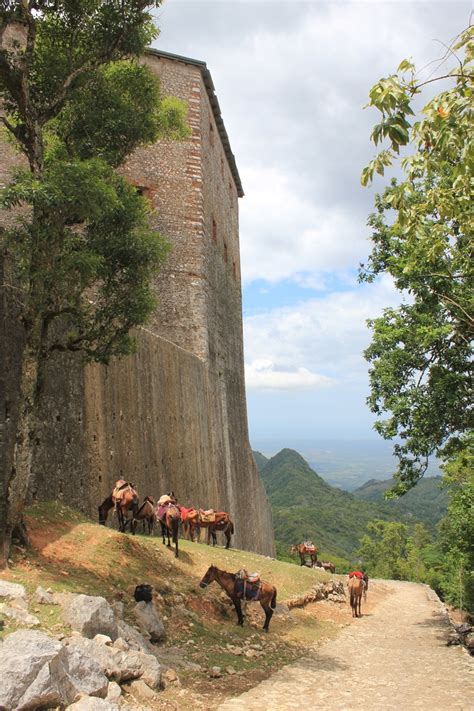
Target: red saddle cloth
356	574
184	512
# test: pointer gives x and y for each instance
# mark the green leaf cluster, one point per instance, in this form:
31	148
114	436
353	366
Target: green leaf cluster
422	235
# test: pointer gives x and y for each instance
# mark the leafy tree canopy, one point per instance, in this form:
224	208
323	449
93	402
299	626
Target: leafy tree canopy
420	355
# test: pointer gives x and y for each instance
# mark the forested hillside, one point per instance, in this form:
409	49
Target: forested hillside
427	502
306	507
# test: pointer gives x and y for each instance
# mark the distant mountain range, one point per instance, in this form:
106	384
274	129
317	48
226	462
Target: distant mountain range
346	463
307	507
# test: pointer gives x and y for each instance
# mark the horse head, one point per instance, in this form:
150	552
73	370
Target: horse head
209	576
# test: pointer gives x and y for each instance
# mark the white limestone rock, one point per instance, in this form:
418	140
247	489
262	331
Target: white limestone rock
90	703
19	614
90	616
38	671
13	591
43	597
149	621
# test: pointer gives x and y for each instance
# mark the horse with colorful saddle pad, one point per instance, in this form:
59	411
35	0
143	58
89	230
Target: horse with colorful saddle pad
247	585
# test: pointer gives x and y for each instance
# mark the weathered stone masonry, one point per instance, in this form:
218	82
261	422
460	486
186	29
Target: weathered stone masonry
173	416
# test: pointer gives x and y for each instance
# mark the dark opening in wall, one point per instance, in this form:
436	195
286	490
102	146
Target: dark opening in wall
214	230
234	269
226	256
211	134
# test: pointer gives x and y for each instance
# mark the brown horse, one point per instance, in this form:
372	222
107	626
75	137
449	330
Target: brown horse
145	513
222	522
326	565
227	581
169	518
356	589
302	549
124	499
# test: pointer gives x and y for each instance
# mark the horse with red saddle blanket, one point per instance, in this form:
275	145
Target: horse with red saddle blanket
168	514
304	549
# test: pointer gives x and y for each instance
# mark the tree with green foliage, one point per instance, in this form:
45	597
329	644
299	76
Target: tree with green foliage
457	529
420	355
389	550
76	103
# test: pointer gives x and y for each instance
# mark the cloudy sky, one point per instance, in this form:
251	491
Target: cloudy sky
292	78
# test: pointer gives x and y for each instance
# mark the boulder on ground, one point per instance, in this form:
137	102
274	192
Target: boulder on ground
132	637
43	597
89	703
39	671
149	621
142	690
19	614
12	590
118	665
90	615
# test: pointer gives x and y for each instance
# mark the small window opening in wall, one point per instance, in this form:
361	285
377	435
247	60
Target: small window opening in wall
226	257
214	231
222	166
234	269
211	133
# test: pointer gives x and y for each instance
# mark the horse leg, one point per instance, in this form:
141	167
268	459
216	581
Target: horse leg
268	615
238	609
163	531
214	538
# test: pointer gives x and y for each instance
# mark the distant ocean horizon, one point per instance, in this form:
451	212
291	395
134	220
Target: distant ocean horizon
345	463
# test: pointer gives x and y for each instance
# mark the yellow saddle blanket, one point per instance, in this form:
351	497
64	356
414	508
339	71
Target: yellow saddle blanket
207	516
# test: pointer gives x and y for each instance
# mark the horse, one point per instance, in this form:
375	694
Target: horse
145	513
356	589
222	522
124	499
169	518
326	565
227	581
302	549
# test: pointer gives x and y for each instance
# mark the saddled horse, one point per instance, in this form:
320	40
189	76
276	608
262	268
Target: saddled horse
124	499
267	595
169	518
304	549
146	514
217	521
356	590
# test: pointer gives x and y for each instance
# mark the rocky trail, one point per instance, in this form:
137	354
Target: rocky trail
394	657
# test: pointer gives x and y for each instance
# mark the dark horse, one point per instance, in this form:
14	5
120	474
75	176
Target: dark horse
145	513
227	581
169	518
222	522
124	499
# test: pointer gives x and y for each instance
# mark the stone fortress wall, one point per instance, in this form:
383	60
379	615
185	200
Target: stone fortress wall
173	416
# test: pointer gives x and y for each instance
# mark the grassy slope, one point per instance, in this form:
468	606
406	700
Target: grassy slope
305	506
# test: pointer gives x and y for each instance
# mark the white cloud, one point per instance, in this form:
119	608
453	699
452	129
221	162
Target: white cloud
264	375
319	338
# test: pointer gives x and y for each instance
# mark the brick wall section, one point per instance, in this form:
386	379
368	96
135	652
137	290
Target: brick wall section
173	416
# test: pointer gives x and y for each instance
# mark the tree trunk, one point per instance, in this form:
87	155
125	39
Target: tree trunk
18	481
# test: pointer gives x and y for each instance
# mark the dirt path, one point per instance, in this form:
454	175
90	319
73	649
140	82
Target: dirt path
393	658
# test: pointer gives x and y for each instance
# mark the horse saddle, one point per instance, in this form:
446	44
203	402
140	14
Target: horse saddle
119	489
208	516
309	547
247	586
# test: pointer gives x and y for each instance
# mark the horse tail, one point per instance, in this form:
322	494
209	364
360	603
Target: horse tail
274	599
231	527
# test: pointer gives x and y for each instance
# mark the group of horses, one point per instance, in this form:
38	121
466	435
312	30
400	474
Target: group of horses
308	548
125	502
